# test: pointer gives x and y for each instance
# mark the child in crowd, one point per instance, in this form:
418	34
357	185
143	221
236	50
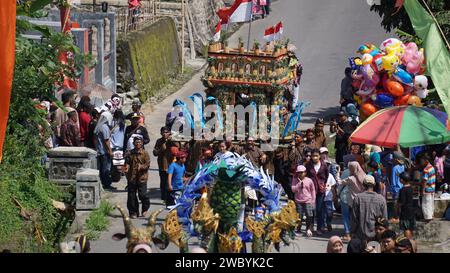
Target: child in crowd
406	207
428	184
176	178
305	198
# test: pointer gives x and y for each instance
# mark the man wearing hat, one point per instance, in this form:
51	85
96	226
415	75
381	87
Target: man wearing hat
367	207
136	108
254	154
297	151
305	198
162	151
319	135
137	164
344	129
136	128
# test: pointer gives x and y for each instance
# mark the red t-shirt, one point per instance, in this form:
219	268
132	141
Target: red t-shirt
84	119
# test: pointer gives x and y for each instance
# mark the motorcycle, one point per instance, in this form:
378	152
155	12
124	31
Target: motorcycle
118	164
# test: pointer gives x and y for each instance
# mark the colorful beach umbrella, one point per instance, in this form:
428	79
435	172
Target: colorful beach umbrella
407	126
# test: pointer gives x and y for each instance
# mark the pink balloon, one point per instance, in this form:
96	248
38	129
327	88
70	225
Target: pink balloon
412	58
413	68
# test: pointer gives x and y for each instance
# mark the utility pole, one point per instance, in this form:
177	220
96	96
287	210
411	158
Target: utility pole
250	26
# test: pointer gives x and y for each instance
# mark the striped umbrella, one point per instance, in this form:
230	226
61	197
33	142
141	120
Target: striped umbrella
407	126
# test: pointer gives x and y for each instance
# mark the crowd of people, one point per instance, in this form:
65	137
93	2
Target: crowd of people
371	187
79	124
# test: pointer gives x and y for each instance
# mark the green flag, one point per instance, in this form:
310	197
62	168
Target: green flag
436	53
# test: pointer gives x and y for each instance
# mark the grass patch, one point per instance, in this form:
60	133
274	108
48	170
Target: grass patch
98	220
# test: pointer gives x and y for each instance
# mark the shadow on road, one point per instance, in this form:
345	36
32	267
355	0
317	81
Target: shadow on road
326	113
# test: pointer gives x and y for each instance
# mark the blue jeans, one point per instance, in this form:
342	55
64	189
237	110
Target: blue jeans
328	212
104	166
346	217
320	207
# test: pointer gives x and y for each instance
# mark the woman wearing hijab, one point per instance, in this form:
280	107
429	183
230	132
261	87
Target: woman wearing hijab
335	245
354	181
354	185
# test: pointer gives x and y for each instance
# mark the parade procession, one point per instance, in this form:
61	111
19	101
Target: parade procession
239	126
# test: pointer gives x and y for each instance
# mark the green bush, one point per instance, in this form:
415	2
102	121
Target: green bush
23	179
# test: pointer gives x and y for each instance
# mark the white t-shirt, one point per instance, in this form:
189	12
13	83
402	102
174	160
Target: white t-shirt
328	193
317	167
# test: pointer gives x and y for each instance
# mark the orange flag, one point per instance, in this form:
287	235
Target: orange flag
8	34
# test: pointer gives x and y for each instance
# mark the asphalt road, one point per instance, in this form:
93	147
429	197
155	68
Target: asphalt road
326	33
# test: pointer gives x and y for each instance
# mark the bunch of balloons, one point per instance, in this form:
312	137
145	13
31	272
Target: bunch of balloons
389	75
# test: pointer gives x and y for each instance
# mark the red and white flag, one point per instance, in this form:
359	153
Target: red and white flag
240	11
218	31
274	32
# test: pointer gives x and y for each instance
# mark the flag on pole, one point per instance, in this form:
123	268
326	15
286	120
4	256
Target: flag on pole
218	31
7	53
436	53
274	32
240	11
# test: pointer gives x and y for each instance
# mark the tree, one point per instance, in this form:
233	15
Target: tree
393	19
37	75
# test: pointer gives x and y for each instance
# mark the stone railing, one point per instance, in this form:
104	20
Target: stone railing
76	166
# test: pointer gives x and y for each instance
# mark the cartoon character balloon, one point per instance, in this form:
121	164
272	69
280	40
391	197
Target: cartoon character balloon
413	58
368	48
390	63
404	77
397	49
366	59
420	86
371	79
389	42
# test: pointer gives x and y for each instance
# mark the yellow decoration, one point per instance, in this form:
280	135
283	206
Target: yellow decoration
172	228
205	214
230	243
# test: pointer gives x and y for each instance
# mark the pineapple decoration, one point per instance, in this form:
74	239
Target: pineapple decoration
226	196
